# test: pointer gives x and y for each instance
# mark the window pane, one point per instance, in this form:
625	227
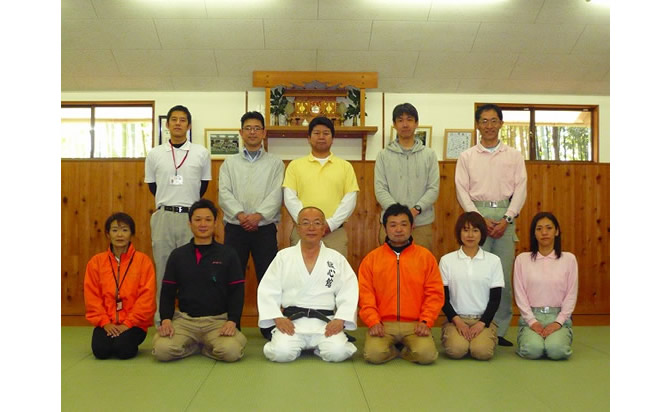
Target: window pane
563	135
123	131
75	132
515	130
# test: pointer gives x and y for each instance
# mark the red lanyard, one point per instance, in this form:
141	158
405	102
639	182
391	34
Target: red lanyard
175	160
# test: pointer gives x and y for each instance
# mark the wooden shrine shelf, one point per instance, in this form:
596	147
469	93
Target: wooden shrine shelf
359	132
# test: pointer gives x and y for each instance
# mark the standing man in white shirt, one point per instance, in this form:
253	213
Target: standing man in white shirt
322	180
250	196
177	173
491	180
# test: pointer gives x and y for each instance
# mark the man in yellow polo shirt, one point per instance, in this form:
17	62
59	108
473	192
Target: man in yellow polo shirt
323	180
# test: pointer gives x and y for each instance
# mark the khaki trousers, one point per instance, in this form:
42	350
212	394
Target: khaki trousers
334	240
502	247
418	349
422	235
199	334
169	230
481	347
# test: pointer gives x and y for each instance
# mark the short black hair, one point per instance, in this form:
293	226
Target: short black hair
252	115
488	106
180	108
323	121
120	217
534	245
395	210
405	108
202	204
475	220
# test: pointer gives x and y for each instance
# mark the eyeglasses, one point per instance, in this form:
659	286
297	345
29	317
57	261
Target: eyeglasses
493	122
317	223
252	129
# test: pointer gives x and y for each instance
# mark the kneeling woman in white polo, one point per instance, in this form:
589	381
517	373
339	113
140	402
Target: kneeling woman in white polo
473	281
545	290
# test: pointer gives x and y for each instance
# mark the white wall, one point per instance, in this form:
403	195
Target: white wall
439	110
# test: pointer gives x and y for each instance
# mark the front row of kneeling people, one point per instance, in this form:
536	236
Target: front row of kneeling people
309	294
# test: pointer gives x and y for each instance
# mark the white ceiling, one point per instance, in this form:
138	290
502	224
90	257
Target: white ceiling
416	46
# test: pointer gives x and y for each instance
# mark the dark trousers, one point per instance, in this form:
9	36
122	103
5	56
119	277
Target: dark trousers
263	247
262	244
124	346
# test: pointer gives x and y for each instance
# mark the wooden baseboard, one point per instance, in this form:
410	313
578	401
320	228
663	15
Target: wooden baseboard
249	321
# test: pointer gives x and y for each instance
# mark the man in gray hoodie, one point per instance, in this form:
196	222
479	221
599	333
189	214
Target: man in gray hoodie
406	172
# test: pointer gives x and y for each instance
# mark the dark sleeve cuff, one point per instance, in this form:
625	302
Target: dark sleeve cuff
494	301
447	308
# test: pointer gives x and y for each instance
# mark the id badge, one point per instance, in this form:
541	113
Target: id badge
176	180
119	305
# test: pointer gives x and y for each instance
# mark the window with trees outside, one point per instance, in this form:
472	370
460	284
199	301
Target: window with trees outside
563	133
106	129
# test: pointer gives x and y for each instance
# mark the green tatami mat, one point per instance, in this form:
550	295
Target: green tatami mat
506	383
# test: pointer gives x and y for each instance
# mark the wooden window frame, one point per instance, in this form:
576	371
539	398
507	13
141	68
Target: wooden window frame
126	103
595	118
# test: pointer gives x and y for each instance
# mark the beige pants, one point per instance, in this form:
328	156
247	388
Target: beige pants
334	240
200	334
169	230
481	347
418	349
422	235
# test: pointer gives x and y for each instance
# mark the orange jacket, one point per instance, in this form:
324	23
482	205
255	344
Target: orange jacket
405	288
137	293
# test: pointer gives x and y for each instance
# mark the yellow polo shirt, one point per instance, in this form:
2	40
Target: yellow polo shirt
321	186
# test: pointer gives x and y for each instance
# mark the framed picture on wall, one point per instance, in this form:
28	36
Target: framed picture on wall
164	133
222	142
456	141
424	133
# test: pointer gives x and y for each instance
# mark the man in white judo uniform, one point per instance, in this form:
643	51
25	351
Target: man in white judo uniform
318	292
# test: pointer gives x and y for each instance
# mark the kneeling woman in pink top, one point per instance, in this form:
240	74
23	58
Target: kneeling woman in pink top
545	289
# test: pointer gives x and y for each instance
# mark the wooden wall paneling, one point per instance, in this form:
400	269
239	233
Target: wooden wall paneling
70	247
577	193
368	228
356	225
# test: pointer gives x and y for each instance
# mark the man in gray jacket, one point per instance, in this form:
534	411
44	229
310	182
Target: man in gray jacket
406	172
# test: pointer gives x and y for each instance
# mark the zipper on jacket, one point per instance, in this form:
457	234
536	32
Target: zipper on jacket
398	282
116	298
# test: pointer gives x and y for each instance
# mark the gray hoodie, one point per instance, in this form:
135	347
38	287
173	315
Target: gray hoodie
410	179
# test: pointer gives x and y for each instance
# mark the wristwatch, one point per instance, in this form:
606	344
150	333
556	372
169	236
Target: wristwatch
418	208
509	220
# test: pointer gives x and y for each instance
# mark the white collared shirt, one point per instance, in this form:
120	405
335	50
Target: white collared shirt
159	167
470	280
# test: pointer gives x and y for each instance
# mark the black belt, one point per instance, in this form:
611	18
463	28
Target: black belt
178	209
295	312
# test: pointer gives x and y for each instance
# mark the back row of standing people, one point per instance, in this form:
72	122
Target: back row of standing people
490	180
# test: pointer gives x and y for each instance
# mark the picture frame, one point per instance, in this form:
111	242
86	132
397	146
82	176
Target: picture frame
164	133
222	142
456	141
424	133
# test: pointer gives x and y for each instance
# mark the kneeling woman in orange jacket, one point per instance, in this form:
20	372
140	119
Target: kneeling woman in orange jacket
119	290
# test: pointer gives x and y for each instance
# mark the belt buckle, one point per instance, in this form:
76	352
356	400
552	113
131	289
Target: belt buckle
545	309
493	204
179	209
309	312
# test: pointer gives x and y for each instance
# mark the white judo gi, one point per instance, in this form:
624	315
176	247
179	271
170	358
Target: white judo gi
332	285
